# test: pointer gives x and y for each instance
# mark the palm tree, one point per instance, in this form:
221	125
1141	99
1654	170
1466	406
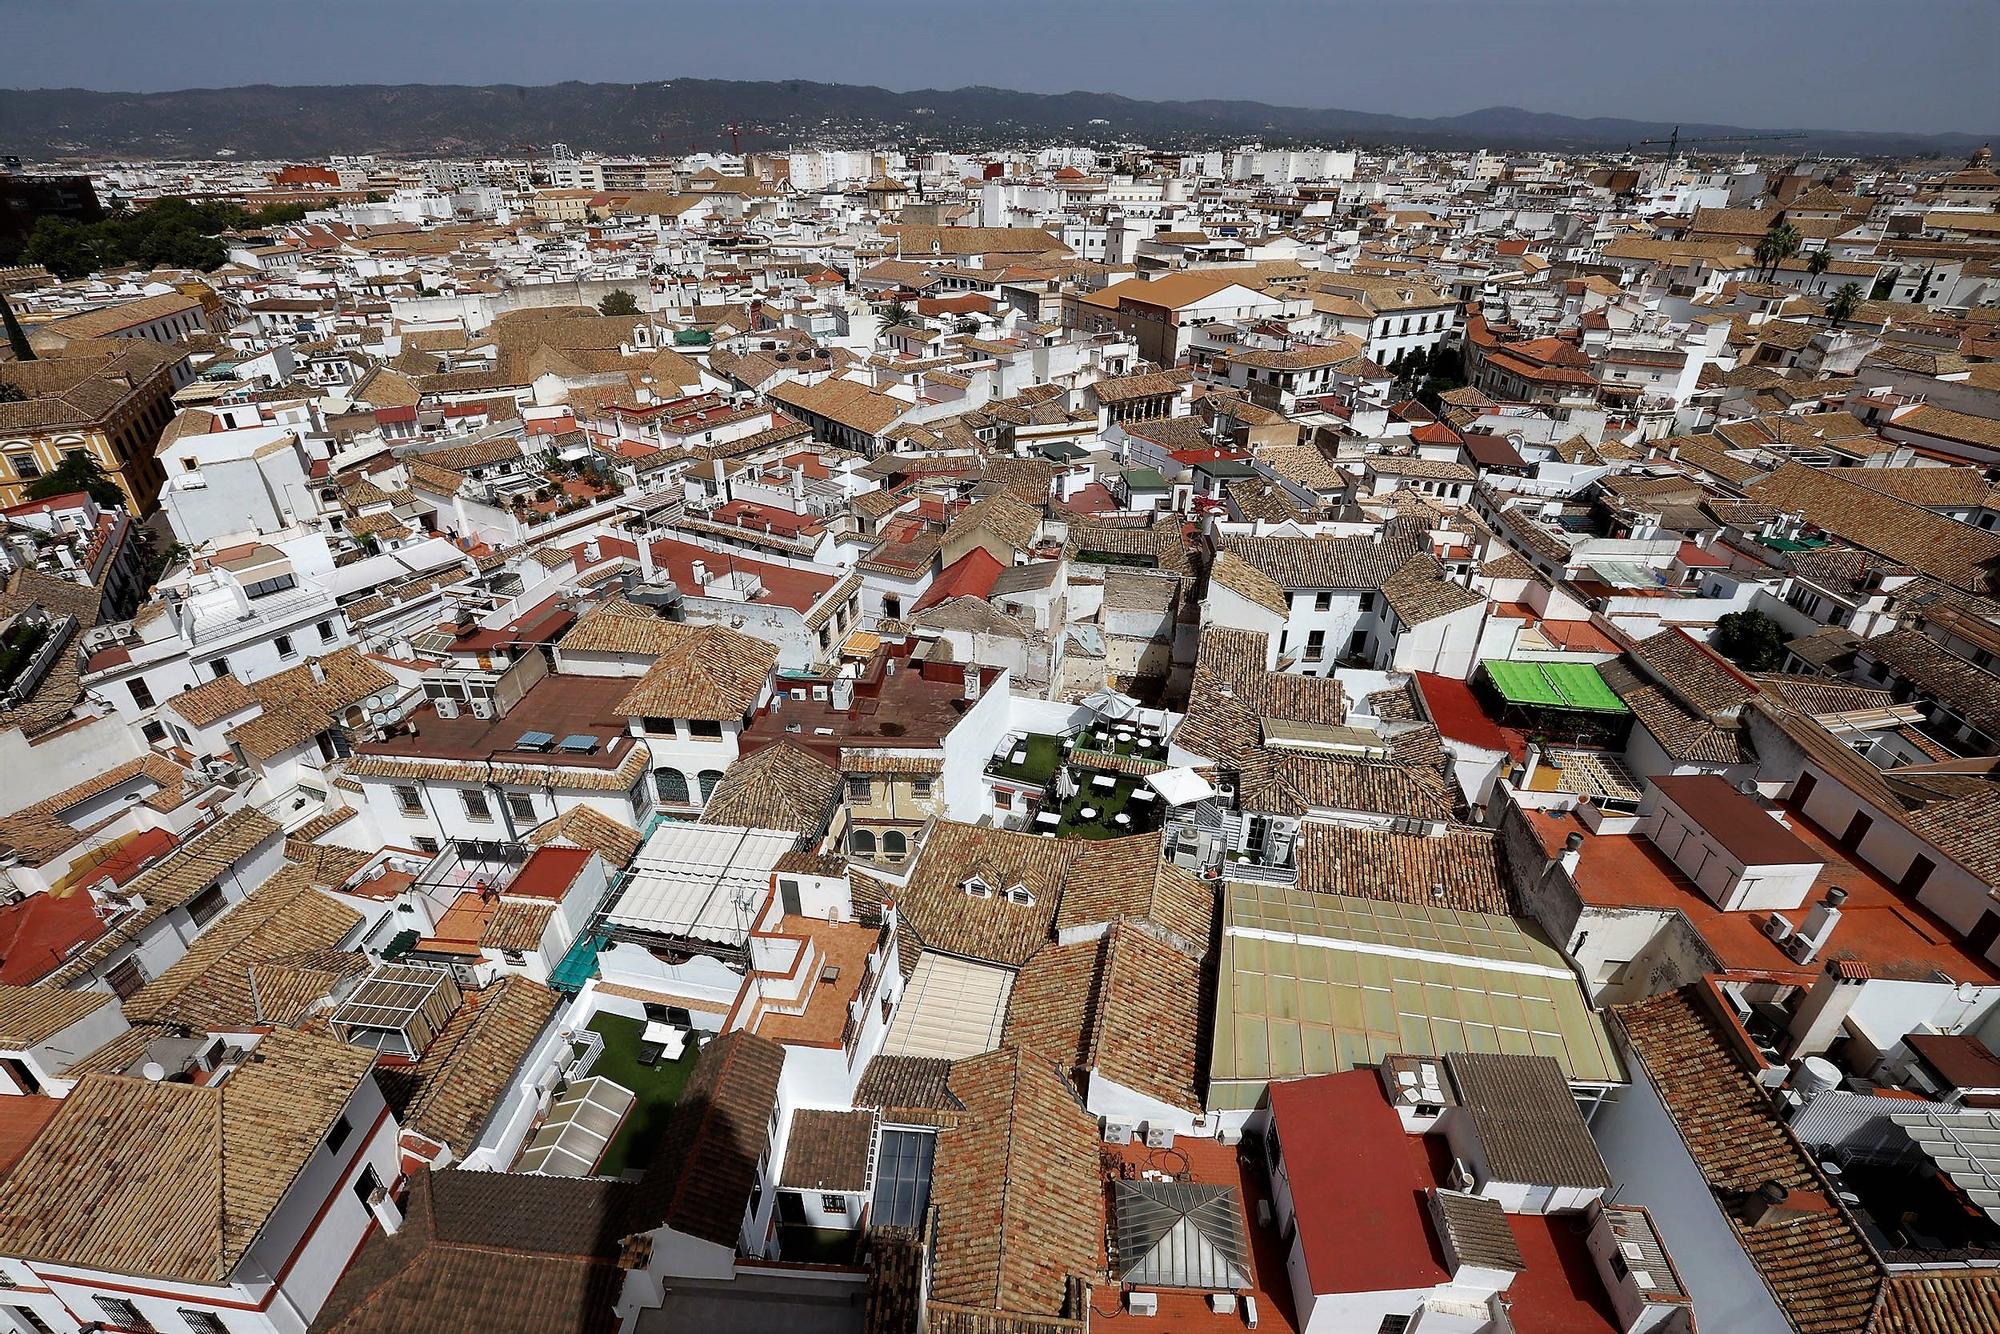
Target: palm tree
1840	307
1776	246
1817	263
894	314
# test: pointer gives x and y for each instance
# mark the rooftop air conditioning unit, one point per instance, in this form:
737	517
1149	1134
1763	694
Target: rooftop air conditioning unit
447	708
1778	927
482	708
1159	1137
1142	1303
1119	1132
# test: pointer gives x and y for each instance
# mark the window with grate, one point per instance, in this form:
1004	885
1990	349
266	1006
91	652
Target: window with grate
122	1314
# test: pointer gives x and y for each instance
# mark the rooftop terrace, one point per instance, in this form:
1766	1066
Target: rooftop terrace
1893	934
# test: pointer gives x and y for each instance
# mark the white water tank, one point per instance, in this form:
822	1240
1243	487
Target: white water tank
1814	1076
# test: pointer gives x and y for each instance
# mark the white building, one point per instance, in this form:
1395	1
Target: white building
231	1203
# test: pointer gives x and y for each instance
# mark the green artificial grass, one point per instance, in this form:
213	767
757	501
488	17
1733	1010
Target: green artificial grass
1044	754
657	1088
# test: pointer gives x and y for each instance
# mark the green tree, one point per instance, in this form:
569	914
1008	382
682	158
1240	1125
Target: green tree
894	313
78	472
618	303
1776	246
1751	640
1846	299
67	249
172	232
1817	263
160	560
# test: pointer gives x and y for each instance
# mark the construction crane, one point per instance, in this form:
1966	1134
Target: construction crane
735	138
530	150
1674	140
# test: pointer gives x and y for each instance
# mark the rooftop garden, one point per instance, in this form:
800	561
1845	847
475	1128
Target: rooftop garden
1040	754
657	1087
1126	743
1095	810
18	645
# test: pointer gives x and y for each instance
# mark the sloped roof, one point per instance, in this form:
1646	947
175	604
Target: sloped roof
1020	1209
451	1091
935	905
1126	1006
268	960
301	702
714	673
1126	880
1463	862
488	1253
705	1167
1820	1269
782	786
32	1015
175	1181
587	827
1239	576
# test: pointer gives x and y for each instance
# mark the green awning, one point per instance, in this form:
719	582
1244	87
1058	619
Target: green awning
1553	685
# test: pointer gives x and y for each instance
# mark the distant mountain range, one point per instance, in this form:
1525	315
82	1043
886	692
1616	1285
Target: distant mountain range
263	121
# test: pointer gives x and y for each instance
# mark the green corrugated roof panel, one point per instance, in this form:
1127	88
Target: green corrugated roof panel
1553	685
1347	980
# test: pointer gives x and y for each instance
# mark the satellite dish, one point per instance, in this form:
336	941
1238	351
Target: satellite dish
153	1071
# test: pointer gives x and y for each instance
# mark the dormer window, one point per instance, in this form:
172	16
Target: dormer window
978	888
1019	894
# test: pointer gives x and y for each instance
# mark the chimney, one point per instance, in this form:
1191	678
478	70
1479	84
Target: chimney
1822	1010
383	1206
592	552
971	682
318	672
645	545
700	575
1818	926
842	693
1572	855
1774	1204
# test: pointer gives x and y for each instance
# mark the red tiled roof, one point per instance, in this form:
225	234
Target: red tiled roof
971	575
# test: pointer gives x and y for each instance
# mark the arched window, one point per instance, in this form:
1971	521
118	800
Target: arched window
894	845
671	785
708	779
862	841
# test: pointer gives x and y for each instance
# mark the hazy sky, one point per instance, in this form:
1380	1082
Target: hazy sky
1924	65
